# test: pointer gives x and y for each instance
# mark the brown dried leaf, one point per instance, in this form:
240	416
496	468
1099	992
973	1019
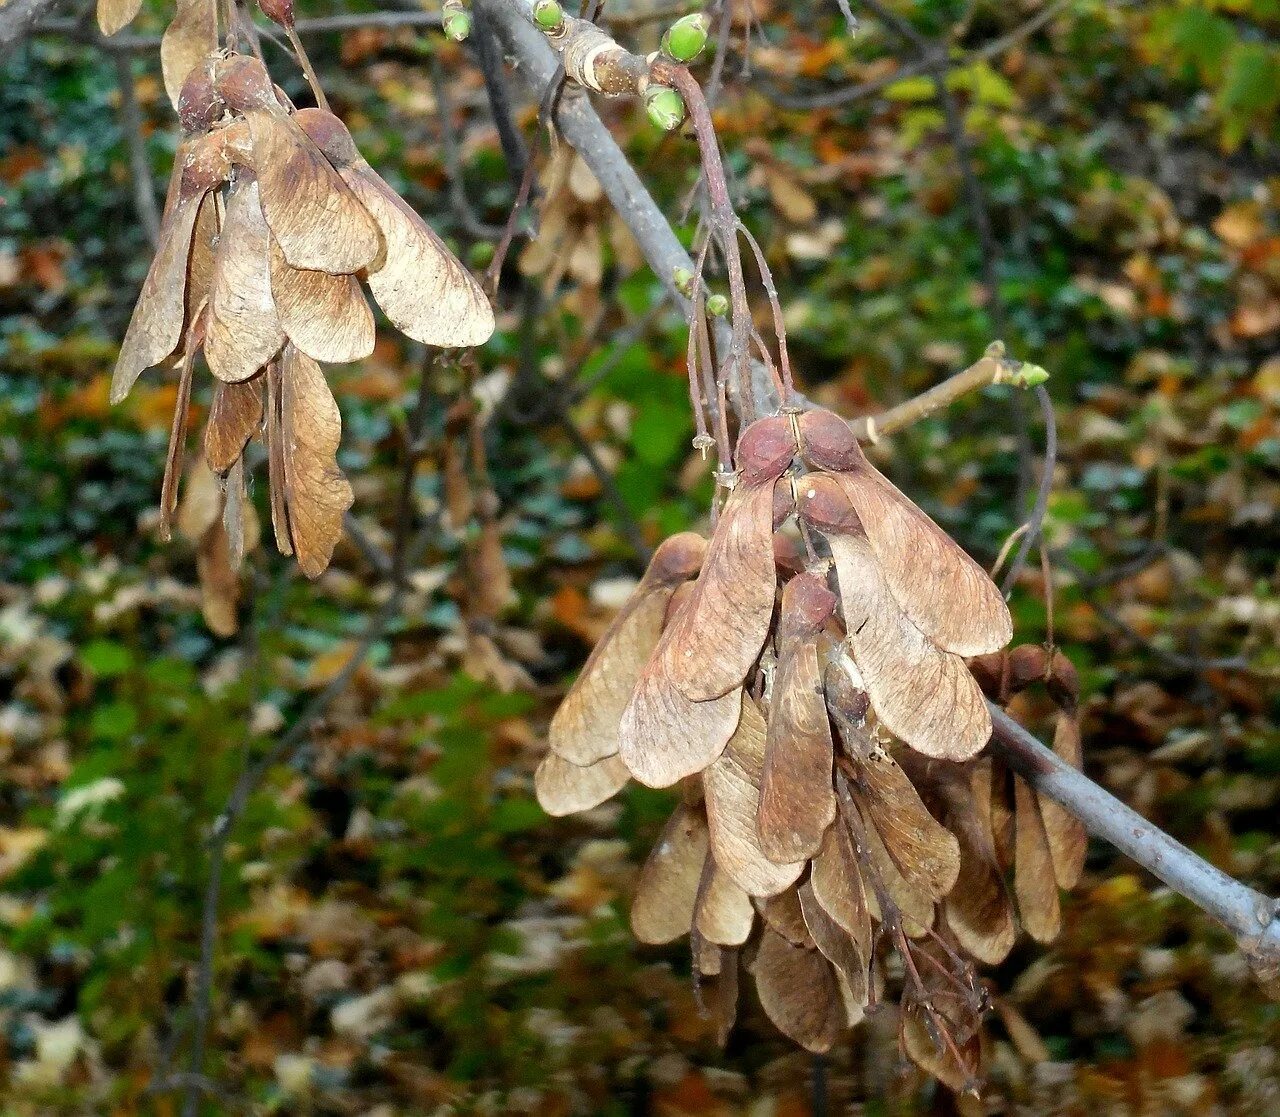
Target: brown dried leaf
782	912
797	800
924	695
316	492
585	727
1068	840
732	788
158	317
1034	882
925	851
190	38
565	788
723	913
235	416
798	992
244	329
663	736
313	214
419	283
116	14
324	315
662	910
836	880
720	632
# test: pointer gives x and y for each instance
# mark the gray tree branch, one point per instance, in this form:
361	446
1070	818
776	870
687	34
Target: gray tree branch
18	18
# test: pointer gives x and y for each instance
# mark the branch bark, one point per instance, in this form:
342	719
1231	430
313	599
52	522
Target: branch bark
1249	915
18	19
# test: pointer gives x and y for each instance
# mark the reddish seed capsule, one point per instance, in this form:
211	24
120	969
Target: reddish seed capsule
765	449
821	501
828	443
199	104
278	11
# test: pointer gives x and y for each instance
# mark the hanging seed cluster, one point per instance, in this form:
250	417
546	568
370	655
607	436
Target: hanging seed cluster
271	223
818	704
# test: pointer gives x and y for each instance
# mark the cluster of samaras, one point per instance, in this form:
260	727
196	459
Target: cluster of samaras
271	220
835	809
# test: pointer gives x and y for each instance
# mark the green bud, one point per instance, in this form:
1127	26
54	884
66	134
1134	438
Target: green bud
665	106
457	24
1028	376
684	281
548	15
686	37
717	305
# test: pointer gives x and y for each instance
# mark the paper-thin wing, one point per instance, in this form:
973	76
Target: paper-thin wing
662	909
563	788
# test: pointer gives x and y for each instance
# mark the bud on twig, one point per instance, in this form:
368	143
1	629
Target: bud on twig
278	11
684	281
665	106
717	305
548	15
686	37
456	20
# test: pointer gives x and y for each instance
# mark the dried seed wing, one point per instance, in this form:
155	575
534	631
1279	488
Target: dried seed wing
993	785
723	997
235	416
177	437
798	992
923	694
720	632
324	315
1034	882
1068	840
797	801
915	905
662	909
723	913
156	325
275	461
978	909
585	727
924	850
663	736
565	788
317	219
419	283
836	879
782	912
732	788
116	14
190	38
942	591
219	583
244	329
705	955
837	946
315	489
934	1057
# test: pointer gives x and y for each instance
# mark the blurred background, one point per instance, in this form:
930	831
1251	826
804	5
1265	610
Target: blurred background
403	930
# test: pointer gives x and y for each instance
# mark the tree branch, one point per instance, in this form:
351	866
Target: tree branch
18	19
1249	915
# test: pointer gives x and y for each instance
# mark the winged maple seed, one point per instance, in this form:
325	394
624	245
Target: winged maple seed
836	811
271	222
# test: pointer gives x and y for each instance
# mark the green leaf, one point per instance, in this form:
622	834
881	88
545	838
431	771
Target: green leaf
106	659
911	89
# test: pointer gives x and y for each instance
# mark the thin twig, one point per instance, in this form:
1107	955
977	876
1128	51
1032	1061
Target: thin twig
144	192
1035	522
